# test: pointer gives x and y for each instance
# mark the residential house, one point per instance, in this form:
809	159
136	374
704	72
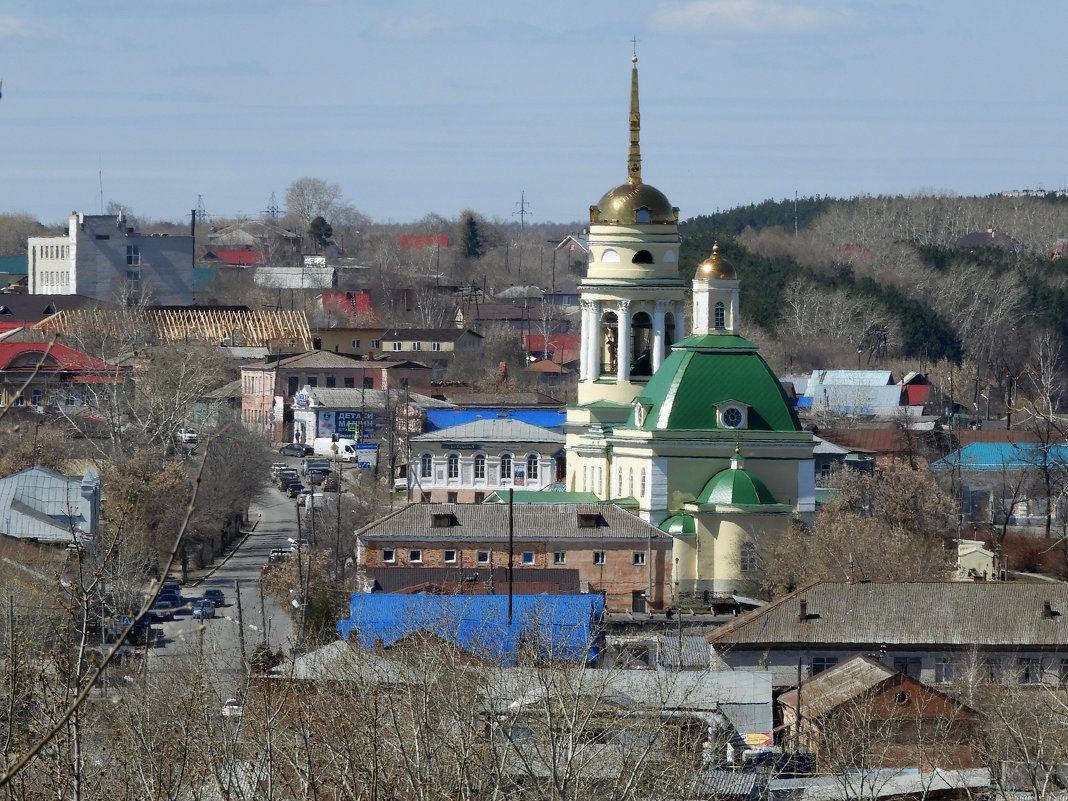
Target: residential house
864	713
463	463
435	345
43	506
935	632
101	257
617	554
1006	482
52	374
851	393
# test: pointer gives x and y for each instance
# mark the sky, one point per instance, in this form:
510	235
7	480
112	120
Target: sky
417	107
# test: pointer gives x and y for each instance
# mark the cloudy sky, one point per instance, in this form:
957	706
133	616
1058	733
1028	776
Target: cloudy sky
416	107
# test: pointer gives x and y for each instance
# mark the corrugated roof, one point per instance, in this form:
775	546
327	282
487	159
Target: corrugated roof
1004	456
854	378
958	614
492	430
339	398
312	359
531	522
560	626
833	687
854	398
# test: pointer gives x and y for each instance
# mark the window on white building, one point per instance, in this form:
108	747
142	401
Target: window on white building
480	466
748	557
532	467
426	464
398	346
506	467
435	346
452	463
641	493
721	315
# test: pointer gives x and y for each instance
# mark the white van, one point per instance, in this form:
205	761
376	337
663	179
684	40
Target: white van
344	449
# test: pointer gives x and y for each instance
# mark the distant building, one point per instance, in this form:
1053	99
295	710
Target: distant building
617	554
101	257
47	507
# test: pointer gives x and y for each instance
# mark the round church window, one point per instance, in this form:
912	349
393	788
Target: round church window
732	417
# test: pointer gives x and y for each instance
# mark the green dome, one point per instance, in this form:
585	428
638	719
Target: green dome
736	486
705	371
679	525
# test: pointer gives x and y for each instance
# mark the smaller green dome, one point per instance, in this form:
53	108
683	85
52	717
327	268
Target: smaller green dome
736	486
679	525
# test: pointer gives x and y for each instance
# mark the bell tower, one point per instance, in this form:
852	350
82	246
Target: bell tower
632	298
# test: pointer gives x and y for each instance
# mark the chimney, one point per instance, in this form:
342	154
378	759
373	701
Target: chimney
802	614
1047	610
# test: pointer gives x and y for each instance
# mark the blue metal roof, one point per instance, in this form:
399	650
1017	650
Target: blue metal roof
563	627
1004	456
446	418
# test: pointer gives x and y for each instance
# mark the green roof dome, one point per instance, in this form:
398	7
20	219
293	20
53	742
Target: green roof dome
680	525
736	486
706	373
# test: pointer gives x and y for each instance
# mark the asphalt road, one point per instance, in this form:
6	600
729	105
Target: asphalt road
262	618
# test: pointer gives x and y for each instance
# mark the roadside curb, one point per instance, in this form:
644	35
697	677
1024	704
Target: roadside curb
216	565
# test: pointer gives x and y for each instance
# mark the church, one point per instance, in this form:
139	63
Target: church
693	425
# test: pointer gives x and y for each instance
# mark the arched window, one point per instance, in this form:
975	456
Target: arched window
619	481
532	467
630	483
641	490
480	467
585	479
669	257
610	256
506	467
642	216
453	465
721	315
747	557
643	257
426	463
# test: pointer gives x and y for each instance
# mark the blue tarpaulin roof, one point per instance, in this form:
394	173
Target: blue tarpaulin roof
563	627
1004	456
446	418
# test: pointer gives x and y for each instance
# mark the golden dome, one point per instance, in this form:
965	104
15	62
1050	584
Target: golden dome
621	206
715	267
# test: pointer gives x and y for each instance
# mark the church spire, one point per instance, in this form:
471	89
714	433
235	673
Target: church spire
634	155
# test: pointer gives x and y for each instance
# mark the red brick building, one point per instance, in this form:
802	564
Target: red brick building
615	553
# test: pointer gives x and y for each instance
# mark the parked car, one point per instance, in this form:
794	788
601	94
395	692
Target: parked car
294	449
186	436
162	610
297	543
313	464
295	489
203	608
317	476
217	597
331	483
277	556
